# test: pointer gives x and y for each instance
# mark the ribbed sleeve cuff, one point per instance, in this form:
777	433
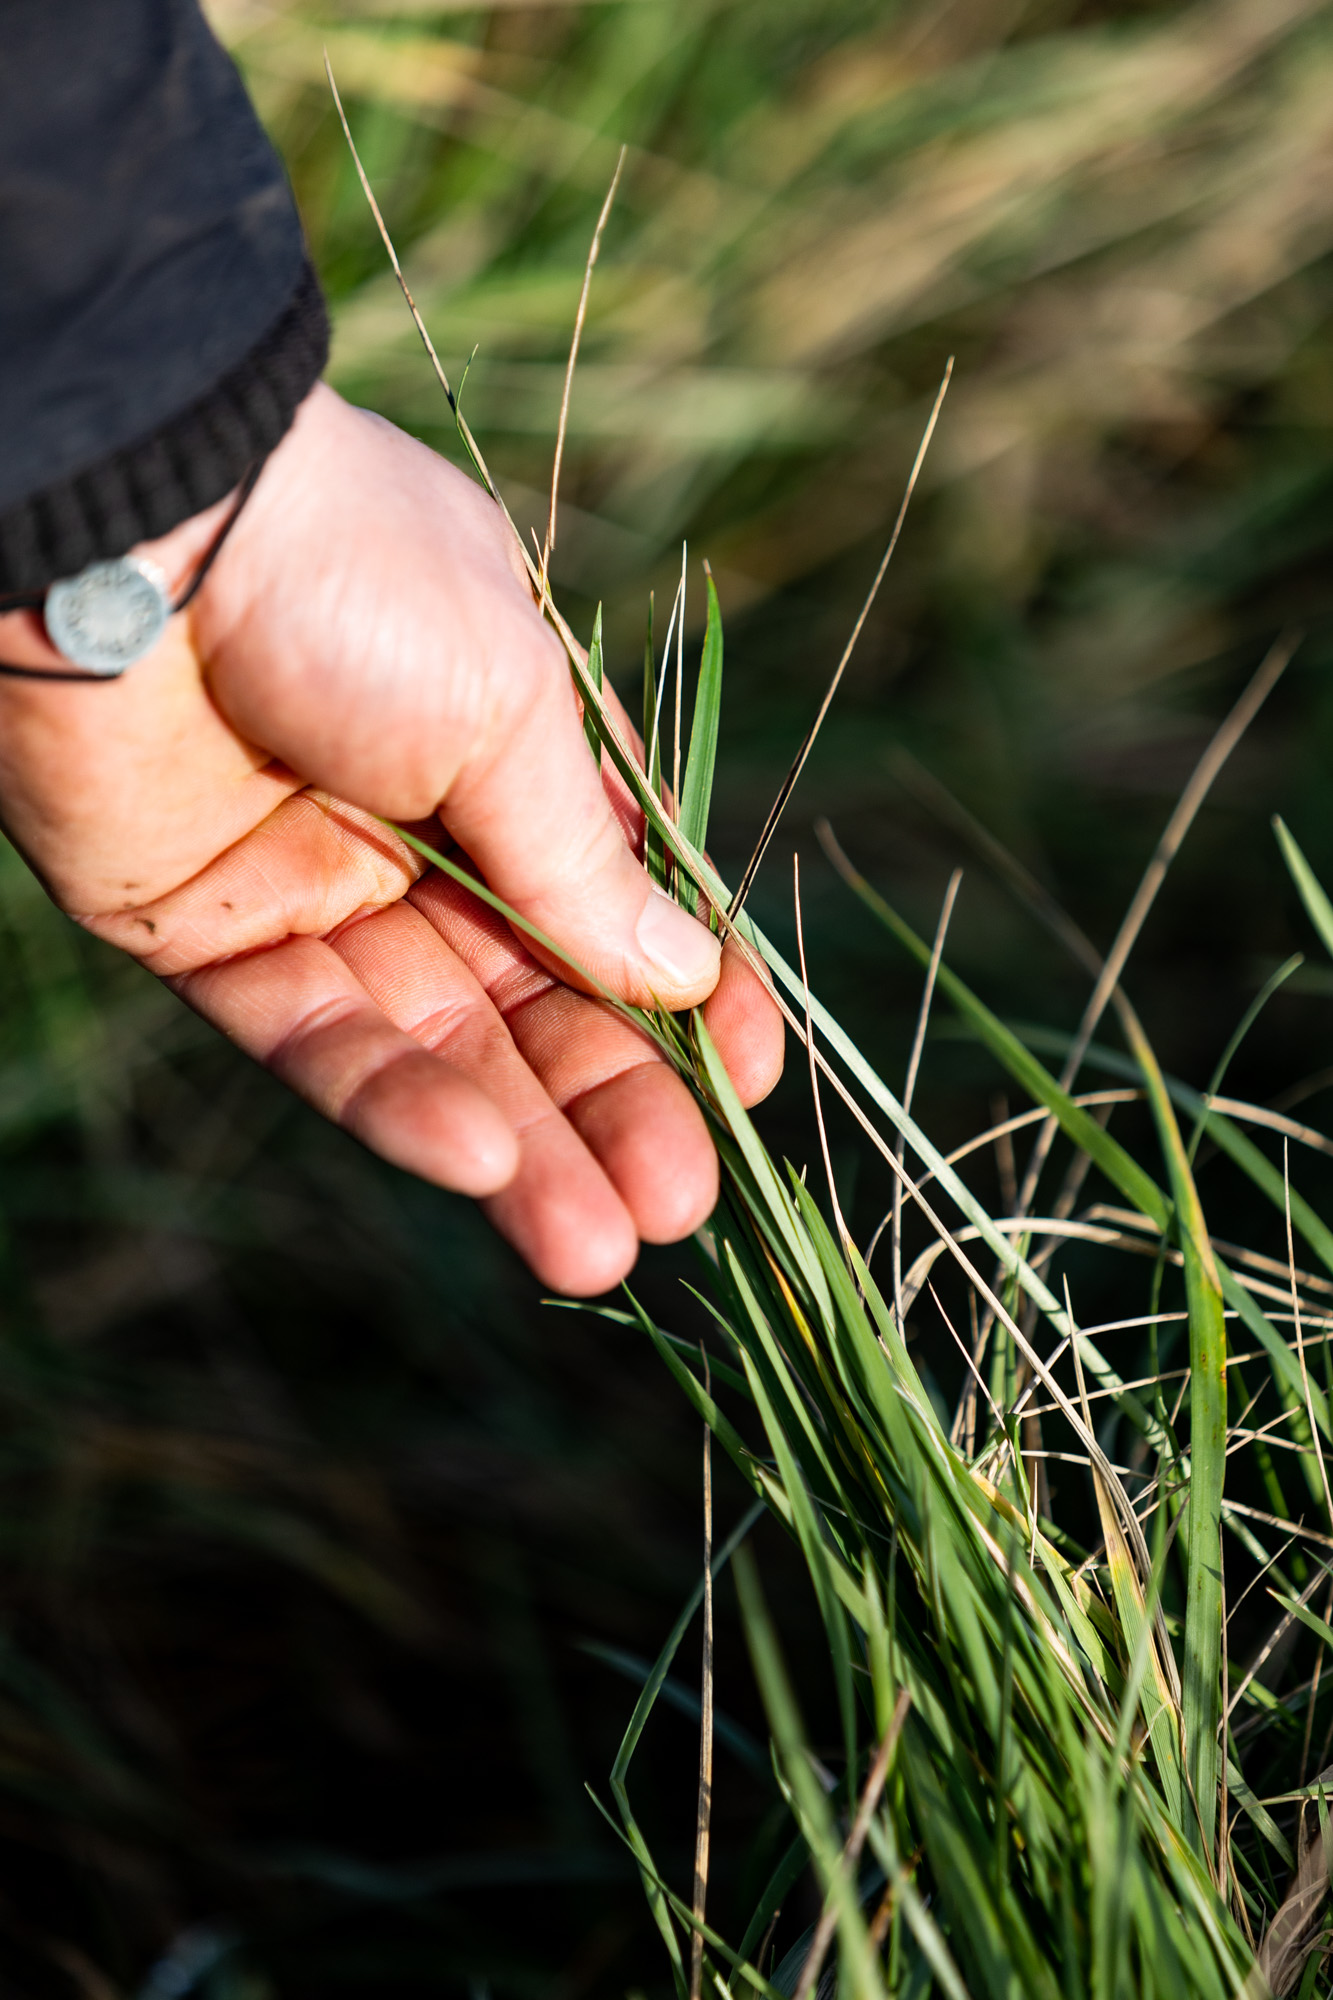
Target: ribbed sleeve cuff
147	489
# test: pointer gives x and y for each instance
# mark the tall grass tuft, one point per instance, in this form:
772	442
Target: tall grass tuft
1045	1783
1044	1748
1046	1779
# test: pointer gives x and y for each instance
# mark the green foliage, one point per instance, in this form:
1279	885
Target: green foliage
596	674
697	790
1058	1856
1115	216
1060	1782
235	1357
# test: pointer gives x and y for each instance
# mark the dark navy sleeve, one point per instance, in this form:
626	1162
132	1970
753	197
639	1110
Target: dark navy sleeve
159	322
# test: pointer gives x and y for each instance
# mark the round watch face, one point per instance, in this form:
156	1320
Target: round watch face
109	615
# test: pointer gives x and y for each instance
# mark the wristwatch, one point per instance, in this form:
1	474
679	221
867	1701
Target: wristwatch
109	615
114	611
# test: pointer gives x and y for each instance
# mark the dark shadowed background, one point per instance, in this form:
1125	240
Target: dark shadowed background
311	1507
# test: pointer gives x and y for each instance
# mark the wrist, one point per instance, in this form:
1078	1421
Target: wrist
140	490
102	621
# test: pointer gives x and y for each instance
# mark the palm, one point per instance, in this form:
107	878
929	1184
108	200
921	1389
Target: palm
396	675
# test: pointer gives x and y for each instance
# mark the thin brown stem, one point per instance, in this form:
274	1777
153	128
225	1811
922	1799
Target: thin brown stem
1224	741
851	1853
680	688
579	318
843	1234
788	785
1300	1337
387	240
909	1087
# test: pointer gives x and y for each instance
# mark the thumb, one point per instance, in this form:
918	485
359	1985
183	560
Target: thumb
532	812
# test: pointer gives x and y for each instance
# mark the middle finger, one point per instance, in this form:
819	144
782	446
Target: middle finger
560	1211
614	1087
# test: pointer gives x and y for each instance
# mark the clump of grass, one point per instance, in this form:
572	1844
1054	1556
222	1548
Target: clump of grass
1040	1743
1045	1747
1046	1776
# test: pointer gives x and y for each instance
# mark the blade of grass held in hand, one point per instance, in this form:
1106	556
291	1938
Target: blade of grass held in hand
638	1015
597	675
697	789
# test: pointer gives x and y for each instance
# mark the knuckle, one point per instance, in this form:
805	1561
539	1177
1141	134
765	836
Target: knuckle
309	1043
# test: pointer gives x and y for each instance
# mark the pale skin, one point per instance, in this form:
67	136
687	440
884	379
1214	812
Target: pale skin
367	645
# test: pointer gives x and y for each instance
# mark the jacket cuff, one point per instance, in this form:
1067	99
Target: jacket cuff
148	488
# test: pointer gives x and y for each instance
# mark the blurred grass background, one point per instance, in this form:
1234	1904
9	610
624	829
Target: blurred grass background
309	1504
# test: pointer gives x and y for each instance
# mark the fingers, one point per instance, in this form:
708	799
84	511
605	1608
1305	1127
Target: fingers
559	1210
436	1039
307	868
651	1140
299	1010
746	1027
613	1148
613	1086
533	813
410	669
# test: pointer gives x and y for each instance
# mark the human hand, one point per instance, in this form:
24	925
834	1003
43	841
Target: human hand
367	645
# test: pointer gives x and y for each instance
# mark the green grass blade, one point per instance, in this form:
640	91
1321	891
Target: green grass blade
696	792
1310	1619
796	1398
920	1920
1246	1155
654	853
776	1890
671	1902
1318	908
596	674
678	1696
1146	1688
1259	1815
1247	1020
652	1687
1201	1701
823	1565
859	1975
778	1206
638	1721
722	1428
1078	1124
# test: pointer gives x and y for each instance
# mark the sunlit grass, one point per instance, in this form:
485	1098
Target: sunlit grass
1036	1735
1120	227
1060	1802
1117	224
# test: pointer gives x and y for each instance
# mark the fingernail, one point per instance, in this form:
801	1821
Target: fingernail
677	944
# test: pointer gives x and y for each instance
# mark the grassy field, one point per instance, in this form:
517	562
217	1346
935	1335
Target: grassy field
311	1506
1115	217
